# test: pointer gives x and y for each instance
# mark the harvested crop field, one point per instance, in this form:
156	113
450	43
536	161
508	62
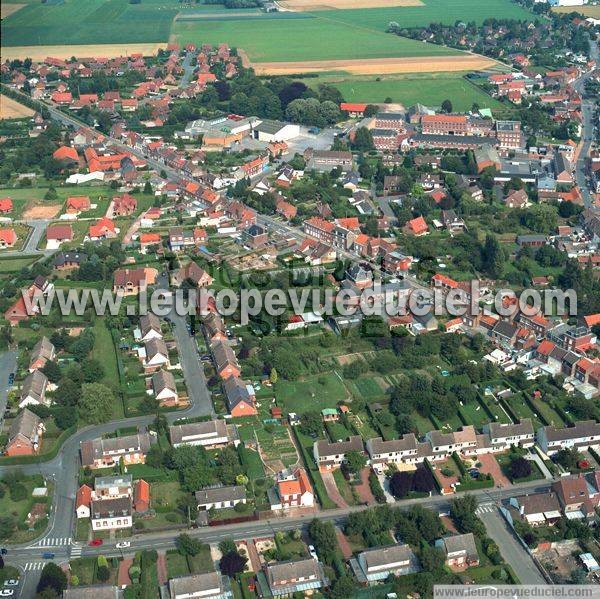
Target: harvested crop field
83	51
10	109
589	11
302	5
378	66
8	9
41	212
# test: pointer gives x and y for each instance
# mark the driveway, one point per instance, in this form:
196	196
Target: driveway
511	549
489	465
332	490
8	363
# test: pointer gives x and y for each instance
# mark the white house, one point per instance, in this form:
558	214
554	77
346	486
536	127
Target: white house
111	514
374	565
150	327
582	435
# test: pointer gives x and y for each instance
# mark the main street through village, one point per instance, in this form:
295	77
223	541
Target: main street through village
63	469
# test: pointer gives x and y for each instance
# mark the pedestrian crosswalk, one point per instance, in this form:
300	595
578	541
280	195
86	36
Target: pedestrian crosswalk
76	550
54	542
31	566
485	508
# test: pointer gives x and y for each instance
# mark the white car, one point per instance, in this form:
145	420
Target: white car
313	552
123	544
11	582
6	593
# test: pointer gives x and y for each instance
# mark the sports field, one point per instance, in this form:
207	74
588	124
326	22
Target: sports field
428	89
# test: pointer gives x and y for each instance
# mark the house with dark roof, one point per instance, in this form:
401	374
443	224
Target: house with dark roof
379	563
297	576
105	453
192	272
240	397
33	392
329	456
111	514
43	351
69	260
224	359
537	509
210	585
150	327
165	389
582	435
25	434
218	498
461	551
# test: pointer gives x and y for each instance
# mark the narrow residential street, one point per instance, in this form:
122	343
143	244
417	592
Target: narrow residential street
511	549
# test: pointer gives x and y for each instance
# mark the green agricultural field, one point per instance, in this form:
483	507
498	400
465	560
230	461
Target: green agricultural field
432	11
297	39
89	22
430	89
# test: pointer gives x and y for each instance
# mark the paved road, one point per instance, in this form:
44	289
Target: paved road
188	69
21	555
31	246
511	549
8	363
587	133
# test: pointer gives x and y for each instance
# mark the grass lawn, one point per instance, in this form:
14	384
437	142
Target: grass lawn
504	460
495	409
311	393
84	568
343	486
176	564
201	563
9	264
104	352
251	461
548	412
522	410
474	414
430	89
165	494
20	509
366	387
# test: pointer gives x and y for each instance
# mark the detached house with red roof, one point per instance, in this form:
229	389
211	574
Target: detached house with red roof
124	205
103	229
57	235
293	489
6	205
416	226
354	109
66	155
8	238
77	204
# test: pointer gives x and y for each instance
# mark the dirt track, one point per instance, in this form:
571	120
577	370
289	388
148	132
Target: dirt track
39	53
377	66
42	212
10	109
306	5
8	9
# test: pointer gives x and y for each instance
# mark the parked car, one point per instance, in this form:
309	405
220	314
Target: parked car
96	542
11	582
123	544
7	592
11	378
313	552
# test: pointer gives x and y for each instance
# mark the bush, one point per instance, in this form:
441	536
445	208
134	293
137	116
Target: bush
18	492
240	508
103	573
